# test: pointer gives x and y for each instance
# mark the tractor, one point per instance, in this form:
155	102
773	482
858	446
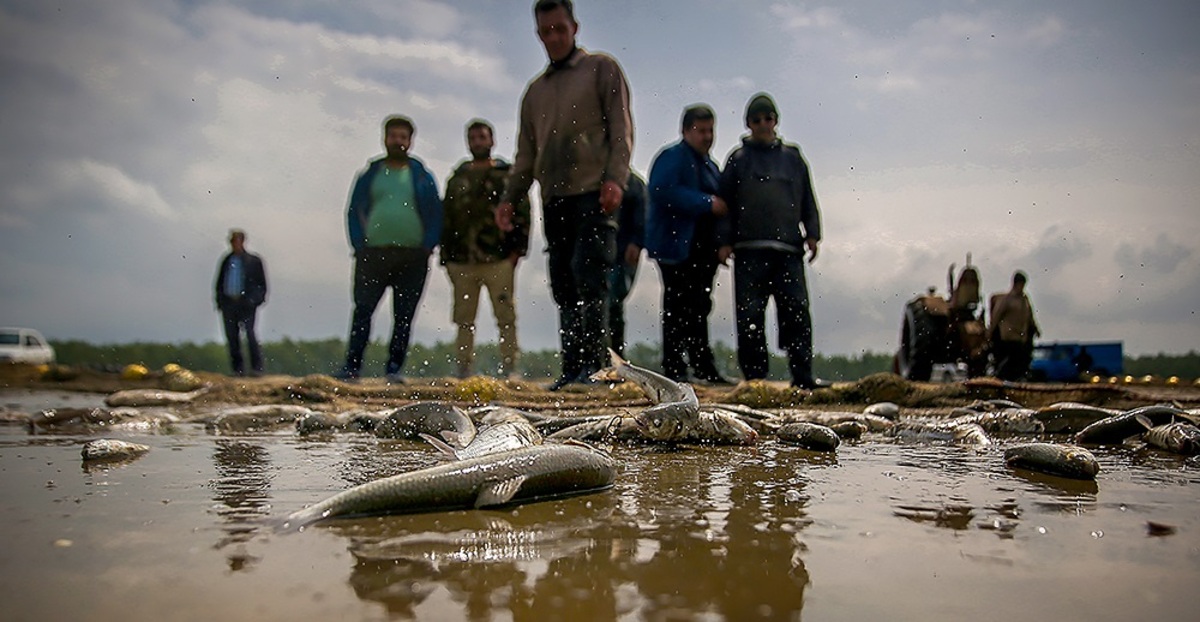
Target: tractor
939	331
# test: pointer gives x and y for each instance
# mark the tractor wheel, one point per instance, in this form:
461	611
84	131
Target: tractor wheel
916	343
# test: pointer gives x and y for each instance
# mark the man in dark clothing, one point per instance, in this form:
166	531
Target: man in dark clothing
1012	330
241	288
773	218
630	240
681	236
394	221
575	139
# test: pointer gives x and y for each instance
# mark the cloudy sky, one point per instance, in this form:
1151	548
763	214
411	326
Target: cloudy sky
1057	137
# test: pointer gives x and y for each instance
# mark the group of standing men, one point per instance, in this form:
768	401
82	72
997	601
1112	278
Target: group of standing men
575	139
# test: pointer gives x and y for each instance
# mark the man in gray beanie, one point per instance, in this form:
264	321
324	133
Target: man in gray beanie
773	219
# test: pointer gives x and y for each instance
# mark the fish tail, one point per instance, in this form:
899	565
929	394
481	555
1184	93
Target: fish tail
441	445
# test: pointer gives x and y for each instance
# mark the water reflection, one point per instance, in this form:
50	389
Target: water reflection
684	534
242	491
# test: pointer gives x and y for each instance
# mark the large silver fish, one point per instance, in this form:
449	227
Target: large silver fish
152	397
491	440
676	406
1179	437
1053	459
517	476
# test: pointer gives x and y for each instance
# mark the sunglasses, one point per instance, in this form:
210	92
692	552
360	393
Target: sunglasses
762	118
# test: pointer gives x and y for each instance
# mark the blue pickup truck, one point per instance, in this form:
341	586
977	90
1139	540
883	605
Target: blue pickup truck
1070	361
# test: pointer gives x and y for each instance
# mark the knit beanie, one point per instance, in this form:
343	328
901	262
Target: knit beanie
760	104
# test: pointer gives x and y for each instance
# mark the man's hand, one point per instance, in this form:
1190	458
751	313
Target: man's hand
504	216
813	245
719	207
610	196
633	253
723	255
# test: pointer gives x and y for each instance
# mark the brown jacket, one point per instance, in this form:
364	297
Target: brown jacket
1012	318
576	129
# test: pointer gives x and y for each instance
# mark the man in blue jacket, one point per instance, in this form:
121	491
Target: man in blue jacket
394	222
773	219
681	236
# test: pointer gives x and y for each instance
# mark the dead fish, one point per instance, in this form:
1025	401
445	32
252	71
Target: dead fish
602	429
1162	414
433	418
849	430
676	405
315	422
874	423
1179	437
491	414
254	418
522	475
1053	459
812	436
153	397
887	410
550	425
111	449
1070	417
491	439
1002	422
1114	430
924	432
714	426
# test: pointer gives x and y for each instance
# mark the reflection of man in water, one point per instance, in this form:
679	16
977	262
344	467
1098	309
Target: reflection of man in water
241	288
1012	330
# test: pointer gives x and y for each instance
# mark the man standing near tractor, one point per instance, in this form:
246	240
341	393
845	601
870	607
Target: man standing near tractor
1012	330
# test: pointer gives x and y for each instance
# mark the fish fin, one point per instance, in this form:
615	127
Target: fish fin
1145	421
443	447
617	361
499	493
452	438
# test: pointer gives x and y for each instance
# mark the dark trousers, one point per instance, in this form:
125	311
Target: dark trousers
1011	359
620	281
686	304
375	270
758	275
238	316
582	242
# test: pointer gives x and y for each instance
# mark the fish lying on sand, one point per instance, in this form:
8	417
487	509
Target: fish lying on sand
676	406
812	436
716	426
491	439
887	410
849	430
433	418
874	423
522	475
152	397
1053	459
111	449
1179	437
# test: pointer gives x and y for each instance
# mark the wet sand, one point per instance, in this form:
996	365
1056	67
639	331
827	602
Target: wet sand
878	530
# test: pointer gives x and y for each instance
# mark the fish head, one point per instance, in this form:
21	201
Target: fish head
1082	461
658	424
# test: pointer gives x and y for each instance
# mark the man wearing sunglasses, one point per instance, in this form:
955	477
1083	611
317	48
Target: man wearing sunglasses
773	219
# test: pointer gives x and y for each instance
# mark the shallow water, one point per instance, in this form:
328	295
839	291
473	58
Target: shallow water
879	531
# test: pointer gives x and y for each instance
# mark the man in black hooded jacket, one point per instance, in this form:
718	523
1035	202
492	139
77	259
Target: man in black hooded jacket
773	219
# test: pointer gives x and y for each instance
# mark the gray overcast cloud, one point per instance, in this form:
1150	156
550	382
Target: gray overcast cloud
1061	138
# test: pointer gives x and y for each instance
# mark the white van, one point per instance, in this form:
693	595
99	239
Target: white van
24	345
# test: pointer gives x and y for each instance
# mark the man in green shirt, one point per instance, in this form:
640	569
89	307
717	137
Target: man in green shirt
394	221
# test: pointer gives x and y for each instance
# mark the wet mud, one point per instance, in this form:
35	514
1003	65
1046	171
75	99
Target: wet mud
878	529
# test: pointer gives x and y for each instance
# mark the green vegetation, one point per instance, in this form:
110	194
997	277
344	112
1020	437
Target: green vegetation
324	356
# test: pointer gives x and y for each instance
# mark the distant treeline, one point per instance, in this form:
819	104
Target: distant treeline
325	356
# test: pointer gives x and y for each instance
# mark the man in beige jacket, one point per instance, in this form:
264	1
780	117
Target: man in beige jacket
1012	330
575	140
